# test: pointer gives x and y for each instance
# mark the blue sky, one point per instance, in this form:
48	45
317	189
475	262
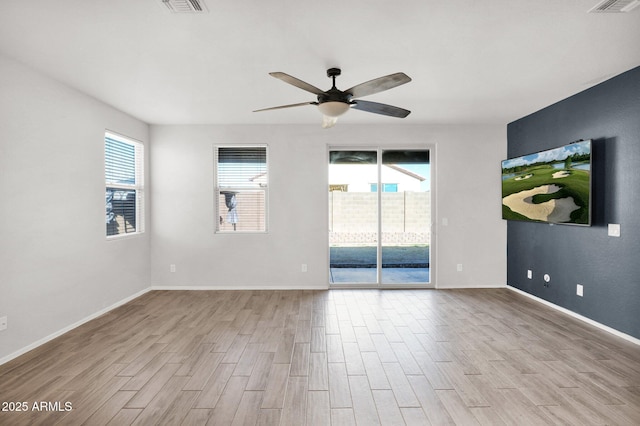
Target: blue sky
423	170
557	154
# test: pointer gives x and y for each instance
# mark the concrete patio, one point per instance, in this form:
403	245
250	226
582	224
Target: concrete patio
400	264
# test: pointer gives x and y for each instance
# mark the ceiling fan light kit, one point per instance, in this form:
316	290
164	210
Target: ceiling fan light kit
333	108
334	102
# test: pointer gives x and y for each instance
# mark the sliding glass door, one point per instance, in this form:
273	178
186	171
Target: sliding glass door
405	215
379	217
353	217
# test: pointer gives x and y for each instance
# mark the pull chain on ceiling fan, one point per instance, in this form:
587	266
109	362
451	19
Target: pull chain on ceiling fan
334	102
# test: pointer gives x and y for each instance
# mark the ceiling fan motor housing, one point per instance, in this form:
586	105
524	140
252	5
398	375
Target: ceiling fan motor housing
334	95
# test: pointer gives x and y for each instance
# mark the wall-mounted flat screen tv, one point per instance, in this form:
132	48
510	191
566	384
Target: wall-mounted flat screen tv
552	186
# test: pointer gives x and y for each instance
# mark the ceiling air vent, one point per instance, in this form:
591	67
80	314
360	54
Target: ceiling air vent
185	6
615	6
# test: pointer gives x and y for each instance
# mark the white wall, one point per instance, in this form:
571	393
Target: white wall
56	266
470	202
467	191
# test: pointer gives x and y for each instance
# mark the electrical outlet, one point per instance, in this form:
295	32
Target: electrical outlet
3	323
303	268
529	274
172	268
459	267
579	290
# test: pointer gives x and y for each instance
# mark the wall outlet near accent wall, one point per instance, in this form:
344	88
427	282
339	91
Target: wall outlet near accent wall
529	273
579	290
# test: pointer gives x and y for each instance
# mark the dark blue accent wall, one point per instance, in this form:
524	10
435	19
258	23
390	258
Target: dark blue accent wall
607	267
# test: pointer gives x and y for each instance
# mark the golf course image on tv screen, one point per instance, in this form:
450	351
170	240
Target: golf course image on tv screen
551	186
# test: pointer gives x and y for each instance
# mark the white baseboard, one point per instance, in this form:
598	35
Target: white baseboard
235	287
464	287
71	327
578	316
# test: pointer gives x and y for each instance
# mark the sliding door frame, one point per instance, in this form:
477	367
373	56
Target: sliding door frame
379	149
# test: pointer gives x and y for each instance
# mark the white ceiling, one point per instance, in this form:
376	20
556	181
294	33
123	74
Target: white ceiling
471	61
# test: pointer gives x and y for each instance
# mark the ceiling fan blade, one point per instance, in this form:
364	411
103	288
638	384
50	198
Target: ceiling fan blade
287	106
296	82
379	84
378	108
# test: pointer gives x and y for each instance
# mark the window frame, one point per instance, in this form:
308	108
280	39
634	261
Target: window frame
138	186
264	188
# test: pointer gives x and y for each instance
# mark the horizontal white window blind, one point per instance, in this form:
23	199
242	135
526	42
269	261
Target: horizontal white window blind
124	181
241	187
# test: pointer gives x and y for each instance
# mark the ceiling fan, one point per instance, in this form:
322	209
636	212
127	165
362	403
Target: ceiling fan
334	102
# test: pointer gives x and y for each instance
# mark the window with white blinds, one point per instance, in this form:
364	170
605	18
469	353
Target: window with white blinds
124	182
241	183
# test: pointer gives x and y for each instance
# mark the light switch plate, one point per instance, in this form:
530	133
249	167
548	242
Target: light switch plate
614	229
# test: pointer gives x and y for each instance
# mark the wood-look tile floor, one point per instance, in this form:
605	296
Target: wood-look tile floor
338	357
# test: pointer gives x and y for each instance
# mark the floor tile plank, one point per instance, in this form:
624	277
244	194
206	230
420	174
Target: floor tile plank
339	392
318	408
294	409
364	406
